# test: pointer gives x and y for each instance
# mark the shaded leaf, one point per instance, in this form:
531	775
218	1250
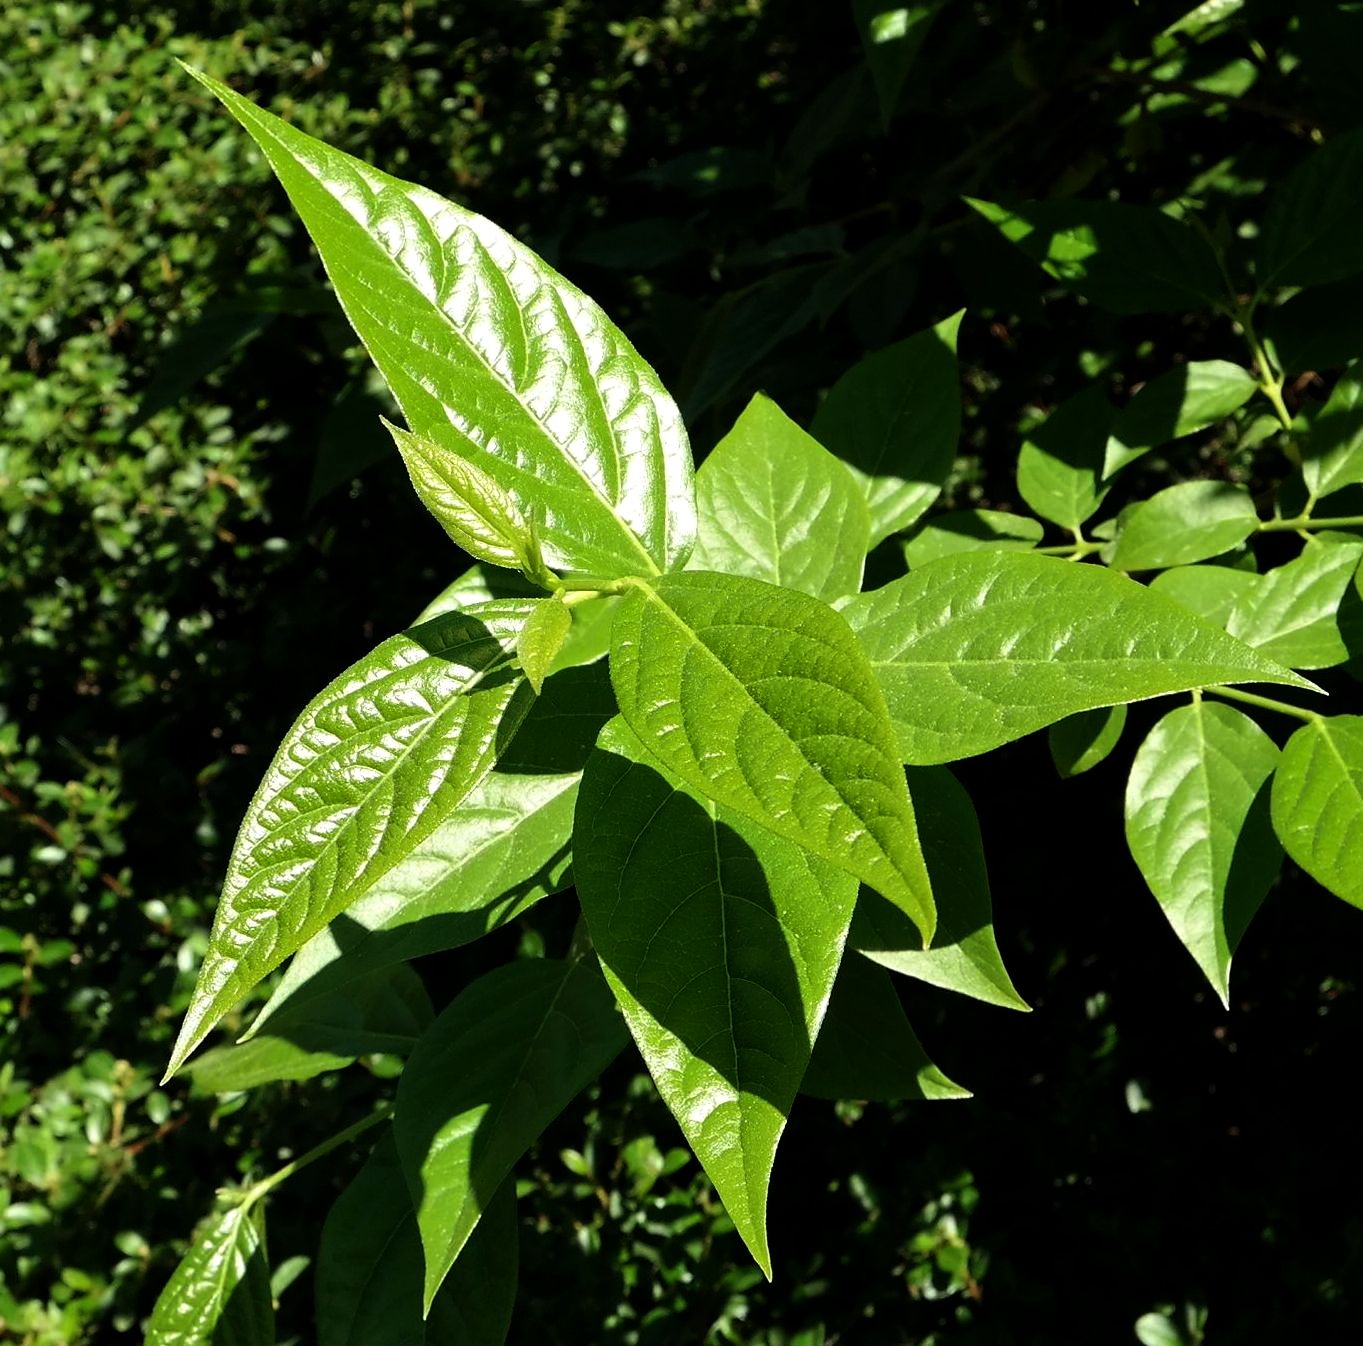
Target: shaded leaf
1332	456
1060	466
1320	328
891	35
1078	743
1312	230
971	530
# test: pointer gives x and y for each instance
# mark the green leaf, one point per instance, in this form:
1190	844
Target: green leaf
965	955
1332	456
891	35
976	650
1313	229
866	1047
490	1074
894	419
377	761
1126	259
721	941
1320	328
761	699
971	530
1060	466
542	639
219	1295
1318	803
1079	742
776	505
369	1268
1210	591
1292	614
1179	403
495	357
1198	827
1182	524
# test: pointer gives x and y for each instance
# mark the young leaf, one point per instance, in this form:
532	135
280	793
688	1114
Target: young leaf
1332	456
1079	742
894	419
541	639
490	1074
219	1295
721	941
774	504
965	956
867	1048
976	650
1318	803
1182	524
369	1268
377	761
1126	259
761	699
971	530
1210	591
891	35
495	358
1198	827
1060	466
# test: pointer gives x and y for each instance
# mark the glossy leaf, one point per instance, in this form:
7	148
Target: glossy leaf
1332	456
894	419
1078	743
965	955
542	639
1182	524
891	35
1060	466
979	649
1210	591
371	768
867	1048
495	357
369	1268
721	941
761	699
219	1295
1198	827
971	530
775	505
492	1072
1318	803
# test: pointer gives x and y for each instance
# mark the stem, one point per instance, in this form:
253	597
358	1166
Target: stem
1074	549
1270	380
596	584
258	1190
1304	522
1264	702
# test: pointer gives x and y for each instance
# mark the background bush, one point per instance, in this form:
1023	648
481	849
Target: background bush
194	487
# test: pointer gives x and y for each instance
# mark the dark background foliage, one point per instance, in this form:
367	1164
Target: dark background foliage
202	525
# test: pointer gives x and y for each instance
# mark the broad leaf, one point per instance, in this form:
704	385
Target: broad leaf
891	35
894	419
219	1295
1060	466
495	357
1127	259
1078	743
964	956
971	530
1320	328
1332	456
1210	591
1313	229
369	1268
761	699
1318	803
1198	826
721	941
976	650
867	1048
775	505
371	768
1182	524
490	1074
542	639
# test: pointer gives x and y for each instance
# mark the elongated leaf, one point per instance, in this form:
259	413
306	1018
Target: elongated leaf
1210	591
1333	454
761	699
371	768
1060	467
965	956
1198	826
1293	613
894	419
542	639
495	357
1313	229
971	530
1182	524
369	1268
866	1047
776	505
1078	743
491	1073
891	35
721	941
979	649
1318	803
219	1295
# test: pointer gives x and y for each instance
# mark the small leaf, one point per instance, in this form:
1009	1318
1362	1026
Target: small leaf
1197	824
1182	524
491	1073
1318	803
761	699
976	650
894	419
1210	591
721	941
775	505
541	639
1332	456
1060	467
971	530
891	35
1078	743
1154	1329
